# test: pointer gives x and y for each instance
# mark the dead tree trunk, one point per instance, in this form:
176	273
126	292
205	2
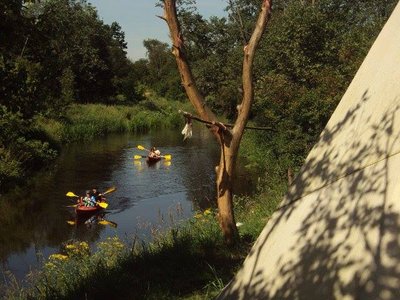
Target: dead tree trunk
229	139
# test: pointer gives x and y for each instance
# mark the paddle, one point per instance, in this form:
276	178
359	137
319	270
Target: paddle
101	204
140	147
71	194
166	157
110	190
106	222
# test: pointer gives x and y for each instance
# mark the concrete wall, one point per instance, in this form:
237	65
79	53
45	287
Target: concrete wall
336	233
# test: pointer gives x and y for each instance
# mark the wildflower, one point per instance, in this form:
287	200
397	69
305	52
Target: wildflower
84	246
207	211
58	256
50	265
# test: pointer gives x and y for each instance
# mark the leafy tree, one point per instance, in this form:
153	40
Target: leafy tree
163	76
314	49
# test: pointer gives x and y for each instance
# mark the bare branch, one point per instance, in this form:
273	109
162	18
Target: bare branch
239	20
249	51
189	115
163	18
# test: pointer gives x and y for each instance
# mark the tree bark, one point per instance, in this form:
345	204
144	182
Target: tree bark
229	139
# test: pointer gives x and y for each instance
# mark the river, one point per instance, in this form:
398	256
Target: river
35	220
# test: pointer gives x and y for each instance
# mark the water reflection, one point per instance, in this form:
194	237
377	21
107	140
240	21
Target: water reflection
91	220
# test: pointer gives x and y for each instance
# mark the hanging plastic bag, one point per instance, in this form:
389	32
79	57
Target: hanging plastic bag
187	130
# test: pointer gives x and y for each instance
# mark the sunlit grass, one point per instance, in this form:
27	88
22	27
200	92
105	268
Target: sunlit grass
85	122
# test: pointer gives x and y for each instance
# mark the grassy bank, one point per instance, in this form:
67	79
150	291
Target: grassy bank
186	260
85	122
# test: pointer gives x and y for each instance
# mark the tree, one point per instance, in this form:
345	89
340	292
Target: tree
163	76
228	138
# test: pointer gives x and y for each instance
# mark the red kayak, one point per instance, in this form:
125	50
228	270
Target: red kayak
88	209
153	159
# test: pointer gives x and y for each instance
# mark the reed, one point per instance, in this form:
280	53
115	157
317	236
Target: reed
85	122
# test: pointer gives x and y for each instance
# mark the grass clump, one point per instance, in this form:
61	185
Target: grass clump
187	261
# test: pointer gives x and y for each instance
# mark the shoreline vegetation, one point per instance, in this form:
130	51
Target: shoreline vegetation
34	144
192	255
85	121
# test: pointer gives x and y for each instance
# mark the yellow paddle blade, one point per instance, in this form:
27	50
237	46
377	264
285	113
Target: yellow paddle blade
71	222
110	190
71	194
167	157
140	147
137	157
105	222
103	204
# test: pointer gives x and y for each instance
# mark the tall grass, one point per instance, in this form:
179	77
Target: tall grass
85	122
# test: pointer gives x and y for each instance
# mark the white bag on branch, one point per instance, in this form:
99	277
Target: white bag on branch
187	131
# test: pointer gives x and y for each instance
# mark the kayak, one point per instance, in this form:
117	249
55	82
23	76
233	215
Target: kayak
153	159
87	210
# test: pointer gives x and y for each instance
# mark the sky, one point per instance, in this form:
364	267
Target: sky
138	20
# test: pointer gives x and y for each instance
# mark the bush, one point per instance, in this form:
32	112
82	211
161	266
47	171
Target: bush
20	149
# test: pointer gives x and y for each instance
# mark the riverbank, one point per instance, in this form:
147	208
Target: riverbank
29	145
186	261
189	261
84	122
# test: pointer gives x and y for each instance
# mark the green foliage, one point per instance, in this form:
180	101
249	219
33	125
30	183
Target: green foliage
21	148
84	122
161	73
58	52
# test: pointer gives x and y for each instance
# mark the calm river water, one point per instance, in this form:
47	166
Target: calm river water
34	219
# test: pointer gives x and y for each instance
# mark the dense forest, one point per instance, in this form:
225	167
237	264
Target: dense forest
58	53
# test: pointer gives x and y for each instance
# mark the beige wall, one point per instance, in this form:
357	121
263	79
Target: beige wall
336	233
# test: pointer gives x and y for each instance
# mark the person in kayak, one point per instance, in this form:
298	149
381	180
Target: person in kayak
87	201
95	196
154	152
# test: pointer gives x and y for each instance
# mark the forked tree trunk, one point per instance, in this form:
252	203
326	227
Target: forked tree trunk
225	173
229	140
